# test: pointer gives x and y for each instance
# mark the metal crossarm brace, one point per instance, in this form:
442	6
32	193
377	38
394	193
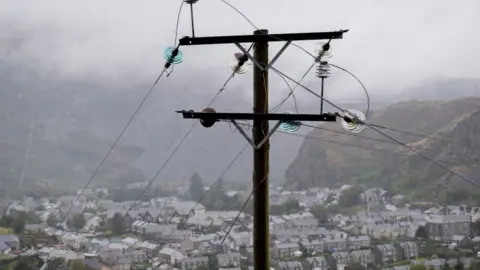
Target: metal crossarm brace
249	140
271	62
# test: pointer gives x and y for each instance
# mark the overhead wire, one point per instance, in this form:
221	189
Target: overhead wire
304	50
343	69
181	143
165	70
346	144
388	141
119	136
382	133
177	25
208	190
277	107
291	92
242	209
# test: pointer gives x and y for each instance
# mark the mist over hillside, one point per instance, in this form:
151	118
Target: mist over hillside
74	121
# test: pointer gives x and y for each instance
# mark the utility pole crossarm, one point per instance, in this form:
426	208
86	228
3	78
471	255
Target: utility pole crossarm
263	37
217	116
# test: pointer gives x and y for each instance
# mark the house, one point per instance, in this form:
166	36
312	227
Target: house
407	250
385	254
462	241
4	248
320	263
312	246
398	199
170	256
193	263
229	259
35	227
10	241
289	265
341	257
363	257
284	250
444	227
149	249
358	242
335	243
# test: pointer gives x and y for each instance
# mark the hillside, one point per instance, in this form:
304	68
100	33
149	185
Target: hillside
320	163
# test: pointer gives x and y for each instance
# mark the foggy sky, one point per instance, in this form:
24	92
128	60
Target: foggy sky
391	44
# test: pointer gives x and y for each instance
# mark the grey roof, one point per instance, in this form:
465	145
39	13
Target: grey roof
3	246
8	238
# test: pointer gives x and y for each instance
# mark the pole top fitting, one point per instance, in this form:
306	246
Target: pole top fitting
260	32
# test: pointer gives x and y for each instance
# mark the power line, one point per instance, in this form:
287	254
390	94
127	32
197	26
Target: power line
210	188
423	155
290	94
166	66
184	138
120	135
388	141
305	51
346	144
383	133
424	136
181	143
277	107
242	209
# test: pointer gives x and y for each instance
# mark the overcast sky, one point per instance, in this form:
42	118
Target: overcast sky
391	44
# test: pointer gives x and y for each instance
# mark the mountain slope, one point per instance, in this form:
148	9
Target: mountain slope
326	164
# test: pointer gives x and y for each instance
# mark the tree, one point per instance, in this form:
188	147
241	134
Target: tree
350	197
18	225
196	188
330	198
418	267
286	208
320	212
459	265
446	266
79	265
354	266
421	233
212	262
117	224
21	265
78	221
52	220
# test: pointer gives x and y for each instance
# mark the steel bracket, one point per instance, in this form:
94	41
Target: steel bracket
249	140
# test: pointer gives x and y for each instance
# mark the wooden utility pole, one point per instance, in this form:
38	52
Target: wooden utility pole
260	116
261	256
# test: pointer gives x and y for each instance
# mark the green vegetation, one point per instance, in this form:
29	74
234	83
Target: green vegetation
350	197
320	164
52	221
117	224
216	198
321	213
17	219
77	222
291	206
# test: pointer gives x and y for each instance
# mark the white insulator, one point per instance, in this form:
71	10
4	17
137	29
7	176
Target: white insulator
356	125
323	70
